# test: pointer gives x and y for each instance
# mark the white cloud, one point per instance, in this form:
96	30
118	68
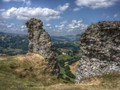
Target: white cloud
10	25
115	15
27	2
1	10
27	12
64	22
96	3
76	9
68	28
23	28
24	13
12	28
76	25
48	25
5	24
64	7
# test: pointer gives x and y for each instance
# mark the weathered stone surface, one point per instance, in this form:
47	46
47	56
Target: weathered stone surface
40	42
100	48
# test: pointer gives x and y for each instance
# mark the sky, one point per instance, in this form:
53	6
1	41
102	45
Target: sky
60	17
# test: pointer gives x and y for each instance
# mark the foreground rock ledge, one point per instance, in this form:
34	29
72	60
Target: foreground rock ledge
100	49
40	42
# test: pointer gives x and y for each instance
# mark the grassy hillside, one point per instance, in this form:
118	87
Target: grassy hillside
25	72
66	47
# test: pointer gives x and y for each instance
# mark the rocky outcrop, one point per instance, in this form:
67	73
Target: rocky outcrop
100	49
40	42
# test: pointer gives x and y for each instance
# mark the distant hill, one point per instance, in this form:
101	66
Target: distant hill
12	44
66	38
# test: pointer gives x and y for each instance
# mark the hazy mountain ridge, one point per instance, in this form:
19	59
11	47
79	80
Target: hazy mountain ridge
18	41
12	44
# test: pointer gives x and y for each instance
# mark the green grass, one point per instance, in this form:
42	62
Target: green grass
12	51
65	73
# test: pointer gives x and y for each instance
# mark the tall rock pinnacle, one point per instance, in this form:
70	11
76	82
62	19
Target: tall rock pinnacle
40	42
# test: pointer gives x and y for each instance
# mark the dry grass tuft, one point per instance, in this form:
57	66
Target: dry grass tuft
30	66
96	83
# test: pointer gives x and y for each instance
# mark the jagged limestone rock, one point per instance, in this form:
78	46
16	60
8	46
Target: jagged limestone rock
40	42
100	49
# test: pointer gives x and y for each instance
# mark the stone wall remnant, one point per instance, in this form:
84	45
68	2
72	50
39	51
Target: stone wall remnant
40	42
100	49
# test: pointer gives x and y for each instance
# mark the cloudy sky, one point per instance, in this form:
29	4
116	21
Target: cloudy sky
60	17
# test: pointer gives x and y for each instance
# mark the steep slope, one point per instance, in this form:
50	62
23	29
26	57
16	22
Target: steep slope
100	49
24	69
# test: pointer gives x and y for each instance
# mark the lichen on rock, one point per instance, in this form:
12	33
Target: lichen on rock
40	42
100	49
